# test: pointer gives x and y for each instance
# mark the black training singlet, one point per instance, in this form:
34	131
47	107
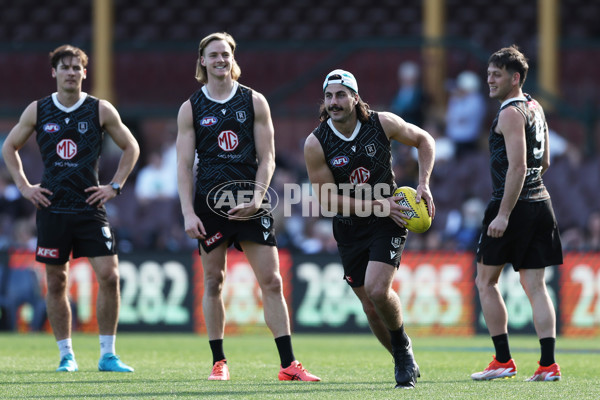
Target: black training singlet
70	142
535	136
364	158
224	138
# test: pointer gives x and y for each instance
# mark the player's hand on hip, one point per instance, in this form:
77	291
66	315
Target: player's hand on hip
100	195
37	195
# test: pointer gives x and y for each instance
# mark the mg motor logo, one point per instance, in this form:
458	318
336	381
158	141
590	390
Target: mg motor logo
228	140
360	175
66	149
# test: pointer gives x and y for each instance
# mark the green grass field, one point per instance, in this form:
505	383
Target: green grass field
175	366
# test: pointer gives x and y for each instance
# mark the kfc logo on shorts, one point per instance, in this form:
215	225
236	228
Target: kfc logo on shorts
66	149
208	121
228	140
51	127
47	253
360	175
210	241
339	161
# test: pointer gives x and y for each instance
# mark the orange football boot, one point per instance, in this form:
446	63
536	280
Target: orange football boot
549	373
496	370
296	372
220	371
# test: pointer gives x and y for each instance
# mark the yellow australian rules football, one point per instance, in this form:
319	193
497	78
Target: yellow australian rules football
419	220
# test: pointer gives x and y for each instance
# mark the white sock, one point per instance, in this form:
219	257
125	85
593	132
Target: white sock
107	344
65	347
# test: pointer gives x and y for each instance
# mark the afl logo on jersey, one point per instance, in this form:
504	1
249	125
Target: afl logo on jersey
66	149
51	127
360	175
228	140
339	161
208	121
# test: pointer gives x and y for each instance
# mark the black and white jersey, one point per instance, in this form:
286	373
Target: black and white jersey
70	142
535	137
224	138
362	160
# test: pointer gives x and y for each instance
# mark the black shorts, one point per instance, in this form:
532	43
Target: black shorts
86	234
220	229
531	239
371	239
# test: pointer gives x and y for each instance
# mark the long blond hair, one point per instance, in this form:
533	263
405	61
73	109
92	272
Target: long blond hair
201	74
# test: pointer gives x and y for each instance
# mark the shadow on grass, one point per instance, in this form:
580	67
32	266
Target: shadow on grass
216	390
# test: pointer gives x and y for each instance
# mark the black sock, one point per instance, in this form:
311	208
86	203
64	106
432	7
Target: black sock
216	346
284	347
399	337
502	349
547	345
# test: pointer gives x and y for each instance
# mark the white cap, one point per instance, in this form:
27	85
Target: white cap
468	81
408	70
343	77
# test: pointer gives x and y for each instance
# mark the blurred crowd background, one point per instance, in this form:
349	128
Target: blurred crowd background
431	73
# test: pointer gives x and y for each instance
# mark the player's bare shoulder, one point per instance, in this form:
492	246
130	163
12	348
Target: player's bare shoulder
312	145
260	103
185	112
108	113
29	115
510	119
393	125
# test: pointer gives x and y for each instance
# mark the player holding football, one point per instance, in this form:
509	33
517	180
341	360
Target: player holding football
351	146
519	226
229	127
69	127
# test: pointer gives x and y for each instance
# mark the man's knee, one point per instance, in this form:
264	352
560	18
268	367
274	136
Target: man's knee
108	277
487	277
532	283
369	310
213	284
482	283
56	281
377	293
272	284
